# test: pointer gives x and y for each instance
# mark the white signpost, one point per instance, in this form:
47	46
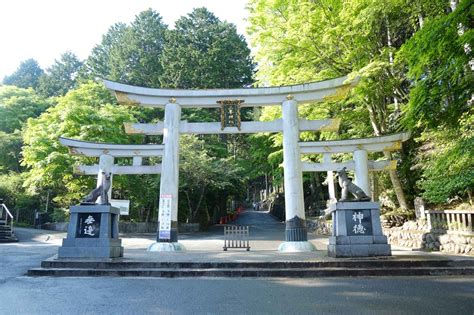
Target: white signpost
165	217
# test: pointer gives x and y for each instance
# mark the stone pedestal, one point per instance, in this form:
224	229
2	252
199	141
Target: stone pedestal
357	231
92	233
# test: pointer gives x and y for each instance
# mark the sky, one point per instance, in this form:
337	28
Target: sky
44	29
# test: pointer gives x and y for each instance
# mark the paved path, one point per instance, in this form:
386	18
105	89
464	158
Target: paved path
382	295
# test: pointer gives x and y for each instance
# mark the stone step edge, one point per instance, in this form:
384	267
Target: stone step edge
311	272
8	240
264	265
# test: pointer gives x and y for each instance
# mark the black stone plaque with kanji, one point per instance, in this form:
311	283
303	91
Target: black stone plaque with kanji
88	225
358	223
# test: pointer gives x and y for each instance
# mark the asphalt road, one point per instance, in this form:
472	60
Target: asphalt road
385	295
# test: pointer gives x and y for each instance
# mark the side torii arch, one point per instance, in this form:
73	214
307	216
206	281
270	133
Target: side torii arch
289	97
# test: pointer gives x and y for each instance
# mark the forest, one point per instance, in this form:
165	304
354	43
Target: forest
414	59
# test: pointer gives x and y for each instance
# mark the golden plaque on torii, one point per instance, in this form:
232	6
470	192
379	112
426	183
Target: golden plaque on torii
230	113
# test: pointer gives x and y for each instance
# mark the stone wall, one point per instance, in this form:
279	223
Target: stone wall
137	227
318	225
58	226
129	227
416	234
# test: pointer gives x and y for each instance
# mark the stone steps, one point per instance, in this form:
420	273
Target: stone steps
343	268
6	235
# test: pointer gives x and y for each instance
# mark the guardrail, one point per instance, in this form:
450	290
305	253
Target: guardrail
236	236
451	220
8	215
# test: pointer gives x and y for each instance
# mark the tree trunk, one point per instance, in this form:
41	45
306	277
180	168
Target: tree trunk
266	186
189	207
397	186
196	209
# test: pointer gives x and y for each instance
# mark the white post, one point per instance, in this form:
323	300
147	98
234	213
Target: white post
330	179
362	171
296	235
169	179
106	162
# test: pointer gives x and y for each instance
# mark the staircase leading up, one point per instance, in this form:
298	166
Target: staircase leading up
6	225
6	233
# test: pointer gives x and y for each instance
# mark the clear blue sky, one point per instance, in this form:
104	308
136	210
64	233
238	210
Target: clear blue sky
44	29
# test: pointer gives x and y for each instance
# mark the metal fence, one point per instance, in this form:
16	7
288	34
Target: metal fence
236	236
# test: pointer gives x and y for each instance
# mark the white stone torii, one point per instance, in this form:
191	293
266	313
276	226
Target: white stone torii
107	153
360	163
287	96
207	98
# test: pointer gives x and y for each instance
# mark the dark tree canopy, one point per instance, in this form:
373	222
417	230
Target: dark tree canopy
26	75
61	76
130	54
203	52
17	105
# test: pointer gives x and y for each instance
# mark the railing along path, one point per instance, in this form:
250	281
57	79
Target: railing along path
8	216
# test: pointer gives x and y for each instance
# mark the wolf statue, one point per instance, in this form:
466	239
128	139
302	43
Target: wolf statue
348	186
101	191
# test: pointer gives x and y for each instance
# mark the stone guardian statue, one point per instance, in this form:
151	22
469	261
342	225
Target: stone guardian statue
348	186
102	191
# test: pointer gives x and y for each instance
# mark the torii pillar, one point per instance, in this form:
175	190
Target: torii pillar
167	234
296	234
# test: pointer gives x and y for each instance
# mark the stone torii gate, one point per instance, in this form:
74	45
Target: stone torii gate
360	163
288	97
107	152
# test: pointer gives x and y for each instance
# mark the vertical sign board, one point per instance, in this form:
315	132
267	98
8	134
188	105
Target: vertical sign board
165	217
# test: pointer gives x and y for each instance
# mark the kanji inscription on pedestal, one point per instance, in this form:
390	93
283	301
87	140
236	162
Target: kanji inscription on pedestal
88	225
358	222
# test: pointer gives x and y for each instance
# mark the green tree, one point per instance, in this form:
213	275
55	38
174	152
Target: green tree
10	149
17	105
446	162
442	83
130	54
61	76
440	105
203	52
26	75
200	173
103	56
17	198
302	41
87	113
